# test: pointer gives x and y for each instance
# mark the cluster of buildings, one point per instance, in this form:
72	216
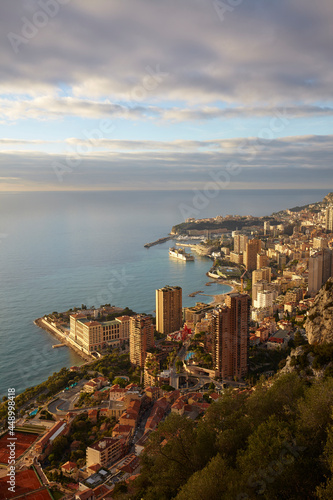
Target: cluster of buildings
287	257
116	457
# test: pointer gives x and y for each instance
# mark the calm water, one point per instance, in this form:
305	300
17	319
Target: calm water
59	250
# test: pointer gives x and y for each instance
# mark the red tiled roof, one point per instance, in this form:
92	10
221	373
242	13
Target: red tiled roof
83	495
69	466
94	467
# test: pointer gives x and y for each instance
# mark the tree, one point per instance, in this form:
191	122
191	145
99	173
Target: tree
119	488
179	365
248	287
299	339
167	387
266	466
120	381
169	458
215	481
58	446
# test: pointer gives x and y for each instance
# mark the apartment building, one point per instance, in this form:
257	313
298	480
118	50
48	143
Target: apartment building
169	315
320	269
264	273
141	338
253	247
230	336
106	451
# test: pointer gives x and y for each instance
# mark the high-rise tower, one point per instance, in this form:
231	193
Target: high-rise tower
230	332
253	247
169	314
141	338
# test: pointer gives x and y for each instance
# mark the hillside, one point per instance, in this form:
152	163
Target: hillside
274	442
246	221
328	200
230	225
319	323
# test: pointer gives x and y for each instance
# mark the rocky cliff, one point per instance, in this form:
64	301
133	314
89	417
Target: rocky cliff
319	323
328	200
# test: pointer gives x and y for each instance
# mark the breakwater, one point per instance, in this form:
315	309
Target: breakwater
157	242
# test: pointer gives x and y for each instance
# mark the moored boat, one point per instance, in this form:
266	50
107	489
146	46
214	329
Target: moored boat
179	253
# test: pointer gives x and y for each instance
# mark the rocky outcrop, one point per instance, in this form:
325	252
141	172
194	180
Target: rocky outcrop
328	200
319	323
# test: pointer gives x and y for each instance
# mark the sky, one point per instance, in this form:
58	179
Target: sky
166	94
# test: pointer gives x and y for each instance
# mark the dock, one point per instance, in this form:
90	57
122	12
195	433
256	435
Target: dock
157	242
193	294
190	245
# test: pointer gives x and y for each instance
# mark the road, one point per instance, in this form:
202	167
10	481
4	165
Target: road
65	400
202	379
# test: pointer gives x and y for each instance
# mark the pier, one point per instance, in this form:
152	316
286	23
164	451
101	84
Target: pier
190	245
193	294
157	242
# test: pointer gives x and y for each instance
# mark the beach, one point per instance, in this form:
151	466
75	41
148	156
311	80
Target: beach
219	298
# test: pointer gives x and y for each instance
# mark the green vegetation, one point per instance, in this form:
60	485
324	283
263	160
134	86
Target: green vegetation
45	415
320	356
57	495
110	317
119	489
120	381
231	225
45	390
109	366
263	360
275	443
167	387
84	432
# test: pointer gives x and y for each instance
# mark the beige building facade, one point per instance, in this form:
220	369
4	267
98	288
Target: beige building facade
92	335
230	326
141	338
169	314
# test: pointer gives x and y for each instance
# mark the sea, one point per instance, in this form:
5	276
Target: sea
59	250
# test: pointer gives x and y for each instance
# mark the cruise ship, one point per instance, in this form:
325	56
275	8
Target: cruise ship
180	253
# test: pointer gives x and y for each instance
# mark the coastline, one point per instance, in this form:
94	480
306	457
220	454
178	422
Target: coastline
41	323
219	298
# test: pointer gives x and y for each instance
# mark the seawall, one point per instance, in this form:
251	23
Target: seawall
44	325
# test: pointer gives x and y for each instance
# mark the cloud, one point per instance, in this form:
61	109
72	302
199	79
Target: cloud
158	64
19	142
50	107
261	52
210	113
239	146
288	162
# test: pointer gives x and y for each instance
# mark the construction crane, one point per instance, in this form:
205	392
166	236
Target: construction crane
242	281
